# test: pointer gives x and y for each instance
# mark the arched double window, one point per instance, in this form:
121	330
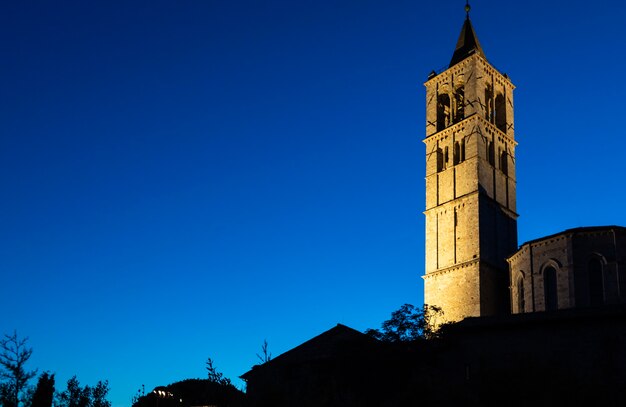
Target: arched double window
442	158
459	151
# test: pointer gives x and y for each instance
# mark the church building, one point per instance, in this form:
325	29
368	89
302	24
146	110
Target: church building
539	324
471	218
473	265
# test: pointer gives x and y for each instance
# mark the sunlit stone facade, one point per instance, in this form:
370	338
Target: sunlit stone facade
470	211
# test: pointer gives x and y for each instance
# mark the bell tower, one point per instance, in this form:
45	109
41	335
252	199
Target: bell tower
471	219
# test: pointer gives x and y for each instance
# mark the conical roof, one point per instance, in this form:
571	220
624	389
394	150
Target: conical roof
467	44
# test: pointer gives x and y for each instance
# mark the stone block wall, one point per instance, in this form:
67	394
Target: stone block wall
570	253
456	290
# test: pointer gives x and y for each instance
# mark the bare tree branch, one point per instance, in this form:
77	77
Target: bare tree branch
265	355
15	354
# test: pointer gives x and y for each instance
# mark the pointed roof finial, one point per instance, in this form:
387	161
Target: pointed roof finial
468	41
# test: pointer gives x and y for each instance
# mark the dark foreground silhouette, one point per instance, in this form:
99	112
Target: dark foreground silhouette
570	357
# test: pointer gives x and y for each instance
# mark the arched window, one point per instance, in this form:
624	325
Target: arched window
521	299
489	104
596	284
443	111
549	288
459	99
504	162
463	149
500	112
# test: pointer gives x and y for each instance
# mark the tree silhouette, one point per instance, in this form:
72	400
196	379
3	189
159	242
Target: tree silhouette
409	323
215	376
74	395
99	395
13	357
77	396
6	395
44	391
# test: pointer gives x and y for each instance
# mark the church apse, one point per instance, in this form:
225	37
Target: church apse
577	268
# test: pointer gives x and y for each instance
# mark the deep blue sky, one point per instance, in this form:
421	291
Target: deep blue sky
186	179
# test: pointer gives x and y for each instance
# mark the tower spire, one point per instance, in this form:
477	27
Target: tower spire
468	43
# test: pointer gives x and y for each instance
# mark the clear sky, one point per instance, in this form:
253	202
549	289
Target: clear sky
185	179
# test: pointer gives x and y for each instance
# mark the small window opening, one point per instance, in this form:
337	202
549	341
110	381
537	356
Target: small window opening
463	149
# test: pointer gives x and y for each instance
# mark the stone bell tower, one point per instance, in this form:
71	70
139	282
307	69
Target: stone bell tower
471	219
